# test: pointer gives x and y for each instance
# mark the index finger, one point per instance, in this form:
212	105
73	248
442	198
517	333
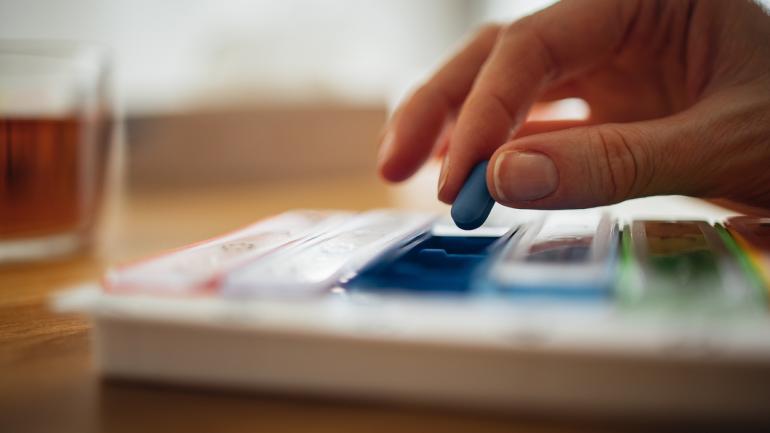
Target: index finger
417	124
531	55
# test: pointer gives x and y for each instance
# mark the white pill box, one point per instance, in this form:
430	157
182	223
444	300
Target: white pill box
525	313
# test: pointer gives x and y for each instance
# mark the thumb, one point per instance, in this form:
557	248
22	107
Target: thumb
594	165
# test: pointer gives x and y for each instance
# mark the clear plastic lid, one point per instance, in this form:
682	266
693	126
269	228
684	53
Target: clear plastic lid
201	266
319	264
565	253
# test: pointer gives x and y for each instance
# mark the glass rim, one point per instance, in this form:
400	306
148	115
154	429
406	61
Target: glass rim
52	76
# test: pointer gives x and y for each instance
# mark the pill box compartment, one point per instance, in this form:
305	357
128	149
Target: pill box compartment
686	266
428	264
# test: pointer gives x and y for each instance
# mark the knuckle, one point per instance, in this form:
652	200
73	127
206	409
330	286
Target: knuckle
527	33
500	99
619	158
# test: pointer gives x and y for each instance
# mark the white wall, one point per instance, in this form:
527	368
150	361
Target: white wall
172	53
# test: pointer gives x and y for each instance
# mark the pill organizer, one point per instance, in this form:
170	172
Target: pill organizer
578	311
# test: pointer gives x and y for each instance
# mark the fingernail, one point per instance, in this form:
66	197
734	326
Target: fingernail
386	146
524	176
444	170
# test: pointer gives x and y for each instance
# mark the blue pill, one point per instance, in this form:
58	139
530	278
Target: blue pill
473	203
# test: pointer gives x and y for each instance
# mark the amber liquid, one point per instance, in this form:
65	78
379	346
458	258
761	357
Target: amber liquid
41	177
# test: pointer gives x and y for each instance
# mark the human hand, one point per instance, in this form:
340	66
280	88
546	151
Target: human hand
679	93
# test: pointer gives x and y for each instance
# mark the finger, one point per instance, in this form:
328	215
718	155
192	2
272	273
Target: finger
531	55
413	131
597	165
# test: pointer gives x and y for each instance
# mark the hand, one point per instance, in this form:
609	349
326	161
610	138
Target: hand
679	93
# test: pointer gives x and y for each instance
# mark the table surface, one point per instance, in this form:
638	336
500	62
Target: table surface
48	382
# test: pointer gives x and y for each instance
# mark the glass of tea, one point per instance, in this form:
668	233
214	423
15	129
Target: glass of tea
56	134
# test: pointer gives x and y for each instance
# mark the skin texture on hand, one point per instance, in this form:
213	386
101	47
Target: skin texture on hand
679	97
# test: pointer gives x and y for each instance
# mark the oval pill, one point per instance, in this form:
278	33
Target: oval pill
473	203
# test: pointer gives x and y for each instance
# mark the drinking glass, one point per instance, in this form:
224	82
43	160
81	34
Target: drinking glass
56	135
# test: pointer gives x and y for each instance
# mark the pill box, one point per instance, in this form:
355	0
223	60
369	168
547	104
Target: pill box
568	310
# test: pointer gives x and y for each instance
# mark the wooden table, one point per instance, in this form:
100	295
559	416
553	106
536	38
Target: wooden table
48	383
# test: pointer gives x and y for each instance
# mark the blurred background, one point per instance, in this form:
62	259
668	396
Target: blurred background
254	91
258	106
